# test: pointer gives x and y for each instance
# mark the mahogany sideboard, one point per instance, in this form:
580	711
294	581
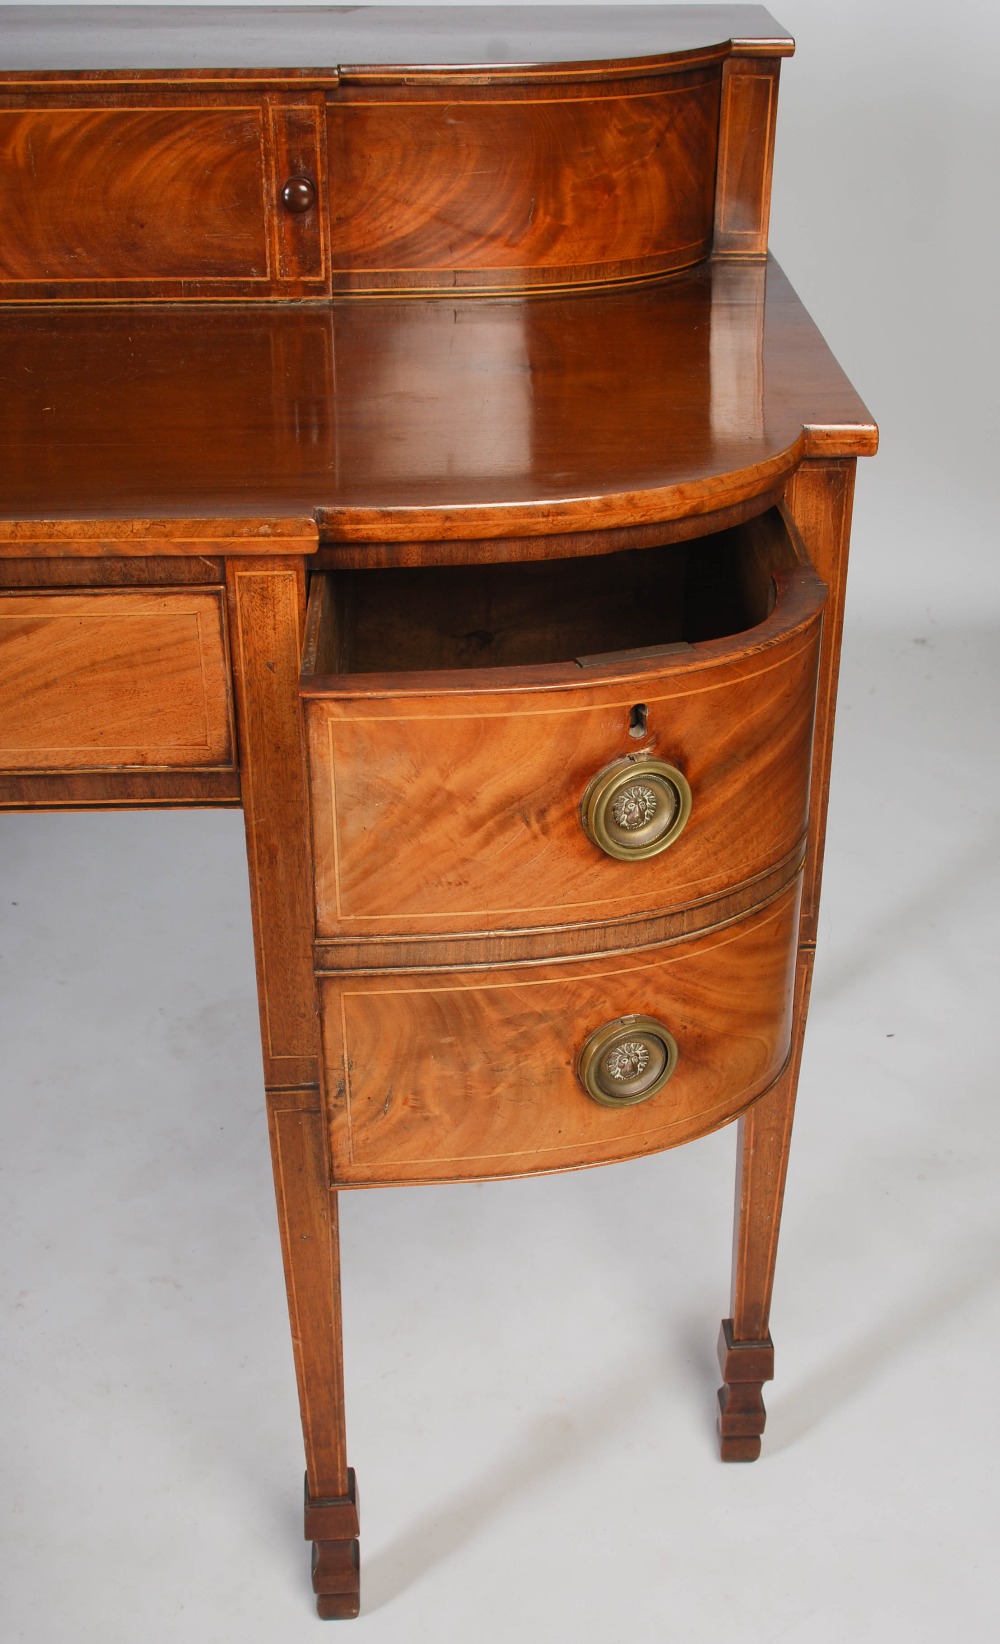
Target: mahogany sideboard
409	438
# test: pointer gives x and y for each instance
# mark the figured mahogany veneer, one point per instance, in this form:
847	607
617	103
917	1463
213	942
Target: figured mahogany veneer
113	681
163	197
450	801
453	1074
559	170
516	457
632	194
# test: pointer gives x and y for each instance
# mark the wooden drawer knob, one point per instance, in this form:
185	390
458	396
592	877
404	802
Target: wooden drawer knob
636	807
627	1061
298	195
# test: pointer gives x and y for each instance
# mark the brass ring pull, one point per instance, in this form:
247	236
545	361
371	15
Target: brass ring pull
627	1061
636	808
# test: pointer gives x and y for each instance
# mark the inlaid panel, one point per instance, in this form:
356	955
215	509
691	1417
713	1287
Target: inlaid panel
166	199
111	680
523	187
88	190
746	151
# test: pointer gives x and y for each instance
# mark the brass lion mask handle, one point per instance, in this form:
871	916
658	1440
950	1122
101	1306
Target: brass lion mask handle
636	807
627	1061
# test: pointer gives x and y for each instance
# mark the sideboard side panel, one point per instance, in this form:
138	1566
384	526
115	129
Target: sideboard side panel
746	153
820	499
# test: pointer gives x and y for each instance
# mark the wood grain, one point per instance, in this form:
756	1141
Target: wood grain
336	1579
431	951
821	500
266	613
111	680
745	1366
487	190
528	175
128	539
297	148
472	420
576	545
111	571
147	195
128	196
307	1218
117	789
332	1525
470	938
457	808
764	1137
519	614
456	1076
310	1247
746	154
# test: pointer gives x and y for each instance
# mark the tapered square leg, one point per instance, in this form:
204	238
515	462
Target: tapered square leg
307	1210
819	499
267	613
746	1354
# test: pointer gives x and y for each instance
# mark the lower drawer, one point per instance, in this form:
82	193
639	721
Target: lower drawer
115	681
455	1074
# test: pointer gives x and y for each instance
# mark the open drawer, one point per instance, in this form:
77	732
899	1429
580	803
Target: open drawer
534	746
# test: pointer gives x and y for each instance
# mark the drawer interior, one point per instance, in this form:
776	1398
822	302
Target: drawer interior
492	616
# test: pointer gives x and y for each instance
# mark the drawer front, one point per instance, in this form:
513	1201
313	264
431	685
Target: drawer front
104	681
461	811
456	1074
457	188
157	201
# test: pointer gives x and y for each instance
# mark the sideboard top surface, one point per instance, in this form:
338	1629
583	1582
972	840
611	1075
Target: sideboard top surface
119	39
406	420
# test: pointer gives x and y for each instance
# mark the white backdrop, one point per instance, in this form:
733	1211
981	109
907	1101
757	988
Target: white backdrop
530	1366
